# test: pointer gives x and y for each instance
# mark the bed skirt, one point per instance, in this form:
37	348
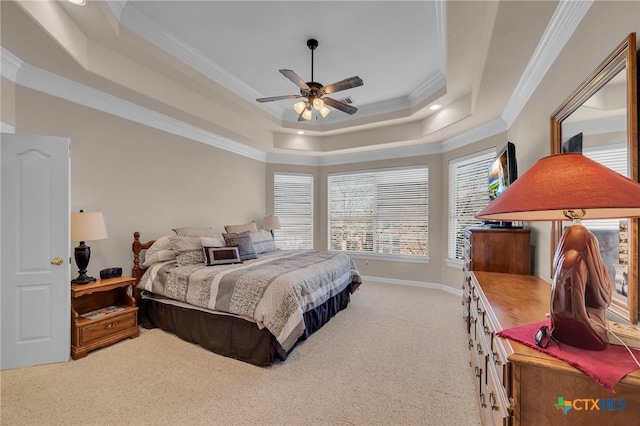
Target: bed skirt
232	336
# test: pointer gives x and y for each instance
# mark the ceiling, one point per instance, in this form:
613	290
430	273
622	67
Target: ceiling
467	56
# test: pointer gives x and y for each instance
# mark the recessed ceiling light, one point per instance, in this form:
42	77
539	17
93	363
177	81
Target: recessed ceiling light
78	2
434	107
300	132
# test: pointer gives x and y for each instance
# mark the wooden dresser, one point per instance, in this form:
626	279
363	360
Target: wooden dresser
518	385
498	250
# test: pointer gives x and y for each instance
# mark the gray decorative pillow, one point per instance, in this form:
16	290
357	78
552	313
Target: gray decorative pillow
263	241
243	242
188	250
221	255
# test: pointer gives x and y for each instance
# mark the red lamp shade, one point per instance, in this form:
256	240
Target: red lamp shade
562	182
565	186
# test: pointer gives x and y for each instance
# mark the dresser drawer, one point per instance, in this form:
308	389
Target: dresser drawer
107	327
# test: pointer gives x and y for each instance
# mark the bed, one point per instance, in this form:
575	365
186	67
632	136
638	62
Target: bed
254	311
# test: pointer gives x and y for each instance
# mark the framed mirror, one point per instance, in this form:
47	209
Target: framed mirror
600	119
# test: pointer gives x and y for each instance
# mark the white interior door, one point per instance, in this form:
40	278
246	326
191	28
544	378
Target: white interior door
34	283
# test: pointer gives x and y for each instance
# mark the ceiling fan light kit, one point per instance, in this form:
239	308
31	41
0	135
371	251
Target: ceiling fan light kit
315	92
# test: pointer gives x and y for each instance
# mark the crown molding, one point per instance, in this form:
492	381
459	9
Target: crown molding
43	81
356	157
474	135
9	65
117	7
140	24
563	23
6	128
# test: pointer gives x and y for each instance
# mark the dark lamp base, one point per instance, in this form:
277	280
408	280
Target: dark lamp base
83	279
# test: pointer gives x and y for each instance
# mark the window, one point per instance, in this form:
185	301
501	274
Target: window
380	211
468	194
293	204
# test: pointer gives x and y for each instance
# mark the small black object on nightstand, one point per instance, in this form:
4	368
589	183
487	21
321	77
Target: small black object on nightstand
110	273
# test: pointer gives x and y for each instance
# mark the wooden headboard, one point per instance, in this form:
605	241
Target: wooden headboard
137	247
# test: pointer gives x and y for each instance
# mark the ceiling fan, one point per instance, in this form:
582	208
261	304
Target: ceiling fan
315	92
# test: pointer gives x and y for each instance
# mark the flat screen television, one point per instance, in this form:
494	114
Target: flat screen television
573	144
502	173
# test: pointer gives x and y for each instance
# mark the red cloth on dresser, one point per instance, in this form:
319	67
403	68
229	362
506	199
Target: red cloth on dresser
606	367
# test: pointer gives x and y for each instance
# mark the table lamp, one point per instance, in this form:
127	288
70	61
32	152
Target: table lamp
572	186
270	223
85	226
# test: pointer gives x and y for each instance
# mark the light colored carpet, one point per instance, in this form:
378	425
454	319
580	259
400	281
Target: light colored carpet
396	356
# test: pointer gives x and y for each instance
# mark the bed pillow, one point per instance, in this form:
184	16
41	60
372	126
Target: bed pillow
161	243
221	255
159	256
216	241
243	242
195	232
188	250
236	229
263	241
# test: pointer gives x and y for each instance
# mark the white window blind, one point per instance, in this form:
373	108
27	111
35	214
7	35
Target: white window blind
614	157
468	194
380	211
293	204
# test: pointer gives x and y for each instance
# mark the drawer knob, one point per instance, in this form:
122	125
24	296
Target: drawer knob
486	330
479	348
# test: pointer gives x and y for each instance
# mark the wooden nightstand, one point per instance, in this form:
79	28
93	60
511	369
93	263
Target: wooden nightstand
88	334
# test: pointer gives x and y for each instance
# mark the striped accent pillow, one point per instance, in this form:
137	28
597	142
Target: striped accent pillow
243	242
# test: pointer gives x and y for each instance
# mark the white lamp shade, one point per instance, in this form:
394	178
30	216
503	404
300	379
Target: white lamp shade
324	111
270	223
299	106
318	104
88	226
307	114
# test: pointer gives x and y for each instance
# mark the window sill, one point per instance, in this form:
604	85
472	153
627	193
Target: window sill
385	257
454	263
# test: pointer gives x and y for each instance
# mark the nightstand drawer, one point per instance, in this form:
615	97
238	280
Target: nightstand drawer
107	327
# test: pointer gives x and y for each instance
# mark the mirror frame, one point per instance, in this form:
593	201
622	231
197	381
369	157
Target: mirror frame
625	55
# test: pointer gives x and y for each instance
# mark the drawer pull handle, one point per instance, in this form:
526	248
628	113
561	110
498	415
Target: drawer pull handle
482	401
492	400
478	372
111	325
470	344
486	330
496	360
479	348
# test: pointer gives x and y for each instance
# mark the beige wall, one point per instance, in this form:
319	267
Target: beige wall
129	171
407	271
142	179
602	29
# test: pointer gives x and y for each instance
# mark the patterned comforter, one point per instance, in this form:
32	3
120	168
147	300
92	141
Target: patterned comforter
274	290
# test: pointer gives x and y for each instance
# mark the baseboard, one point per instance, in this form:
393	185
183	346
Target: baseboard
422	284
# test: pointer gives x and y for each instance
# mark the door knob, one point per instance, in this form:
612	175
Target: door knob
57	261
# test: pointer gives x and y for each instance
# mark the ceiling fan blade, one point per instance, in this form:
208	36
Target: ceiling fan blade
296	79
340	105
345	84
278	98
